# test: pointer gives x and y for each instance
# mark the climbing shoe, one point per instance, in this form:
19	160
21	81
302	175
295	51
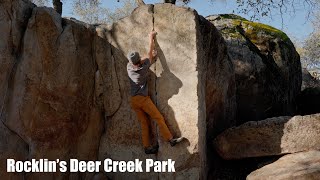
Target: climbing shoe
151	150
175	141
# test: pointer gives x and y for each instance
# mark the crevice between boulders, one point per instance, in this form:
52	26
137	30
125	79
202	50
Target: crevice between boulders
63	26
117	76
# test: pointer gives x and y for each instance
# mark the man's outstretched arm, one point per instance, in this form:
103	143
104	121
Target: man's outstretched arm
152	52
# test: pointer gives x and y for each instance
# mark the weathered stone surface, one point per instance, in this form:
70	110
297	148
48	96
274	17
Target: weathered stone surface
13	21
183	84
50	103
193	74
273	136
267	68
53	88
70	76
14	17
122	137
107	85
302	166
11	147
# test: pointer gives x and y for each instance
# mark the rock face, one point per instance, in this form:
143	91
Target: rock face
13	20
11	147
65	91
183	85
267	68
50	102
303	165
273	136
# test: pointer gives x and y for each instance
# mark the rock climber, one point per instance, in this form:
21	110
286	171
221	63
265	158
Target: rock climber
141	103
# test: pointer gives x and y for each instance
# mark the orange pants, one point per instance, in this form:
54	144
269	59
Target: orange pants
143	105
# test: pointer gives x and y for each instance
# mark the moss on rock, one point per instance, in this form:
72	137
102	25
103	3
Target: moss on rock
231	32
253	29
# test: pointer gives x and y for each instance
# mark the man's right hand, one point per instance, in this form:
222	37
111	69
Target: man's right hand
152	34
154	53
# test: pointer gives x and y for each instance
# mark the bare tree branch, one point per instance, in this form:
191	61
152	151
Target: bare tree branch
95	13
140	2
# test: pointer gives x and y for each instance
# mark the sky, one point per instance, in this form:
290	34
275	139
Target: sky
296	25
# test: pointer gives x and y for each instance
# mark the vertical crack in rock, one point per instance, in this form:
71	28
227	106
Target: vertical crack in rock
9	80
108	71
152	10
42	72
155	65
63	25
157	135
101	106
117	79
96	68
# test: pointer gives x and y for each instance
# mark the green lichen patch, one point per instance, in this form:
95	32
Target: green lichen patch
253	29
231	32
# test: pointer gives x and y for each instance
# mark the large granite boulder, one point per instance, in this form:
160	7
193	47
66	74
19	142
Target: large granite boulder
302	166
50	101
65	90
273	136
190	79
267	67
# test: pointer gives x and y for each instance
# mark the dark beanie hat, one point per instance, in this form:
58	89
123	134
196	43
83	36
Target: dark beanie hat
134	57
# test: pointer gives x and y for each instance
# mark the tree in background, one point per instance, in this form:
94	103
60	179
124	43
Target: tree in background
312	47
252	8
94	12
310	56
57	4
260	8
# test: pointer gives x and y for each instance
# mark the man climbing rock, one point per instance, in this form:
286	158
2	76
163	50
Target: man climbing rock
140	101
